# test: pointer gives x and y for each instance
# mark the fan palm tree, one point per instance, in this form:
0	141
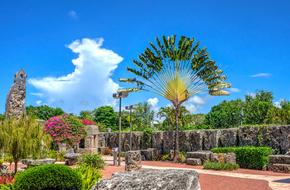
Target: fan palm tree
177	71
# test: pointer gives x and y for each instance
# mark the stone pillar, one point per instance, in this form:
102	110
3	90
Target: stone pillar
133	160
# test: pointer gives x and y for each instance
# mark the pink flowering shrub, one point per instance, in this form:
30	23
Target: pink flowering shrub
88	122
65	129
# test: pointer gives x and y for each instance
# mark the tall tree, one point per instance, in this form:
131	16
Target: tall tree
43	112
142	116
257	107
177	70
106	116
22	138
225	115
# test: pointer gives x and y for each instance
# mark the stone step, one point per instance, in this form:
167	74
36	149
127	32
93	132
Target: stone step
193	161
204	156
282	168
279	159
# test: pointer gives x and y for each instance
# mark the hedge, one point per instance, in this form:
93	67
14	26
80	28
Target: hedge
248	156
220	166
52	177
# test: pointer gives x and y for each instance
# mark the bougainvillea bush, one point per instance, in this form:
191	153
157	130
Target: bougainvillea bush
88	122
65	129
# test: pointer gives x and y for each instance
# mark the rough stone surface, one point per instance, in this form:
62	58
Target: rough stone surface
277	137
224	158
149	179
133	160
15	103
30	162
227	137
204	156
194	161
282	168
71	158
279	159
150	154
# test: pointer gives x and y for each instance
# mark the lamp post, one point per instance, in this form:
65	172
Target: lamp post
120	95
130	108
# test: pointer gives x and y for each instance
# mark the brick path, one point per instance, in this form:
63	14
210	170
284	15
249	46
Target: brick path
241	179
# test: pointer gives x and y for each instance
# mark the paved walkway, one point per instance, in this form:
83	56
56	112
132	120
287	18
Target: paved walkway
257	176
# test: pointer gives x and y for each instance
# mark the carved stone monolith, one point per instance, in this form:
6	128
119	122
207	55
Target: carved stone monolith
15	103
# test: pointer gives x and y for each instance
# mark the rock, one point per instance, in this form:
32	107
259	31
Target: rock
168	141
193	161
149	179
31	162
224	158
15	102
71	158
133	160
204	156
227	137
195	138
279	159
248	136
157	141
281	168
150	154
210	139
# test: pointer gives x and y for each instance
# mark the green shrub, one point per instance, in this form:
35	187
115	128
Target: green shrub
60	156
92	160
6	187
48	177
165	157
220	166
89	176
248	156
181	157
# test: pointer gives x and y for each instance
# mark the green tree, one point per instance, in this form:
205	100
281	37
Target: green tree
257	107
86	115
43	112
225	115
106	116
22	138
177	70
167	114
142	116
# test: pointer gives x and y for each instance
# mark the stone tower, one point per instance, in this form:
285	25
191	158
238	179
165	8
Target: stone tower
15	103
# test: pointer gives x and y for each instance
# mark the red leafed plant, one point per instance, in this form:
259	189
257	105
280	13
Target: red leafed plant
6	179
88	122
65	129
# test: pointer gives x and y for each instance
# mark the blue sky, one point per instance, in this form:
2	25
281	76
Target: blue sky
249	39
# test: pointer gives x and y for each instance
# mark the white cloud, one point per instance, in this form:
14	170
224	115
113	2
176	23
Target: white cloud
194	103
73	14
153	101
38	102
261	75
234	90
89	85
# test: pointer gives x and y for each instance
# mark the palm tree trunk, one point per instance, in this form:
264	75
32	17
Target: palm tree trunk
176	148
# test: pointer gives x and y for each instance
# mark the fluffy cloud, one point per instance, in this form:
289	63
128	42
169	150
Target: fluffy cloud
154	103
89	85
194	103
261	75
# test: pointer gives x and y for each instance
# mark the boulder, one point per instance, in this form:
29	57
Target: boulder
195	139
133	160
224	158
279	159
248	136
210	139
157	141
150	154
227	137
71	158
204	156
148	179
193	161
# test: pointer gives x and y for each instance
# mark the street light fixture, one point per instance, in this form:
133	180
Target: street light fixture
130	108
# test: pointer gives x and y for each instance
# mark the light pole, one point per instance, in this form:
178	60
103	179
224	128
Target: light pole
120	95
130	108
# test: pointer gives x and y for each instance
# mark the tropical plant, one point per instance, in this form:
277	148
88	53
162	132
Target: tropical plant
89	176
22	138
65	129
43	112
106	116
177	71
227	114
86	115
142	116
92	160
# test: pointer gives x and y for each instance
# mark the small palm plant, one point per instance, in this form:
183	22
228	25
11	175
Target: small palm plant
177	71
